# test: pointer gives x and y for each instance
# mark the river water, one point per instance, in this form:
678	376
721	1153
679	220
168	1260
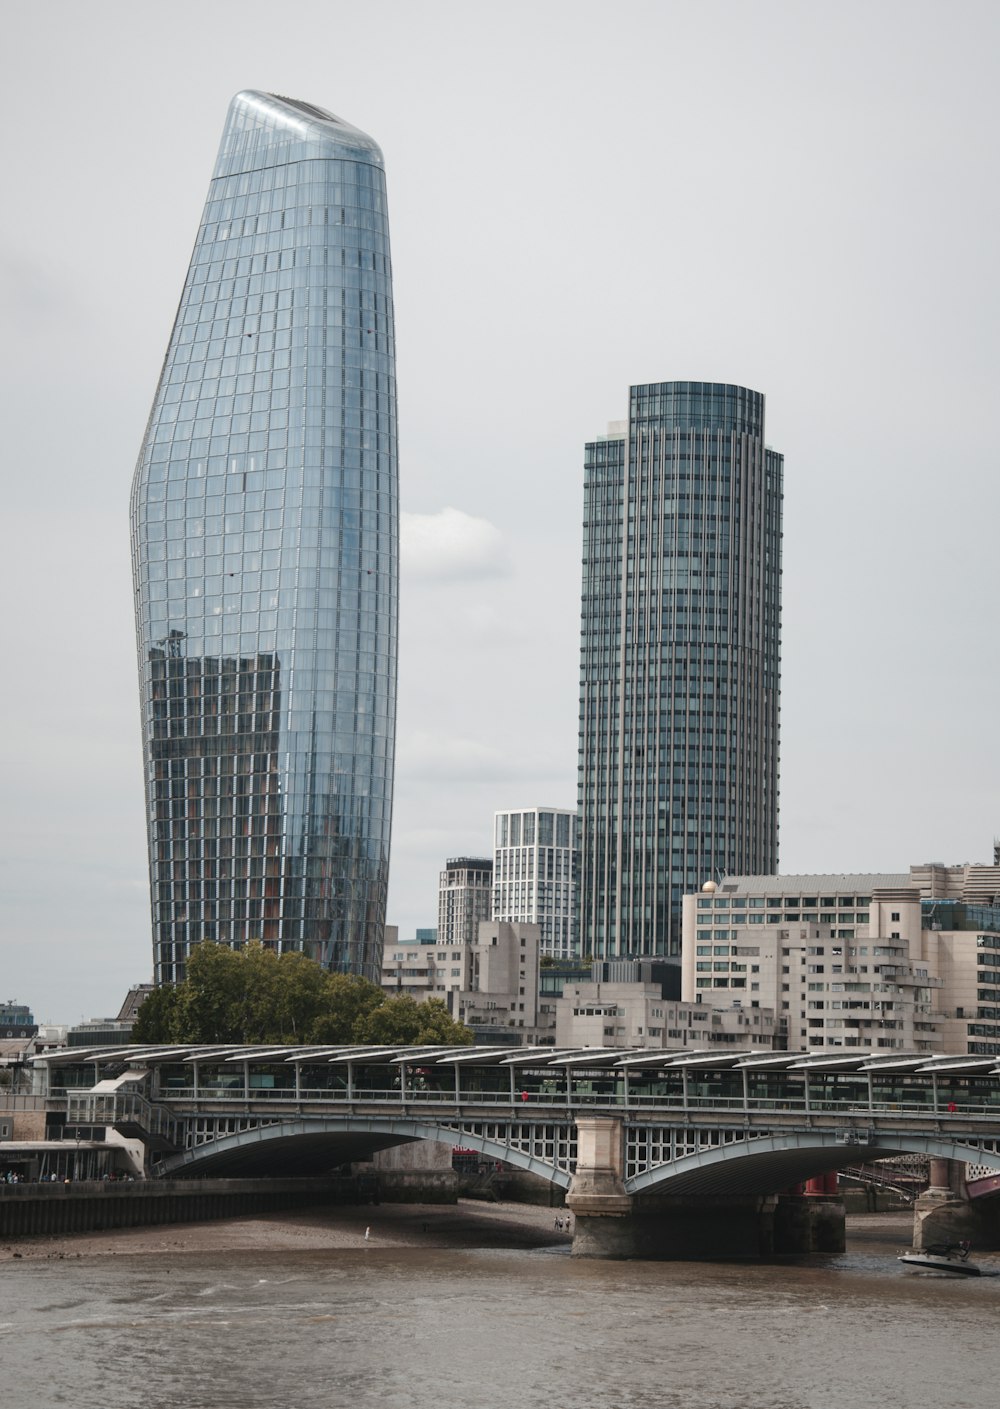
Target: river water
427	1328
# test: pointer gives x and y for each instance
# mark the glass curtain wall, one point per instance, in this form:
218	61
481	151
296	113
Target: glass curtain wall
265	549
680	660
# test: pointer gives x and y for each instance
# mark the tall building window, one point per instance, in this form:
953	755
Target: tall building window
264	532
679	660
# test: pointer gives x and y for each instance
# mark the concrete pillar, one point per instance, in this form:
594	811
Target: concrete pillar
939	1215
696	1228
940	1174
816	1224
597	1196
610	1223
944	1214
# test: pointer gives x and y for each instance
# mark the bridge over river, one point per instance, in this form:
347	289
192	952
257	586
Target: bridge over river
698	1143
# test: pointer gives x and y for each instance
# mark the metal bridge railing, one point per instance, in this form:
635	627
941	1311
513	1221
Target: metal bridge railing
122	1108
210	1096
906	1184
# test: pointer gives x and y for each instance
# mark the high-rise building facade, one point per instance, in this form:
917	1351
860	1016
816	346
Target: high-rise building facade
465	894
535	874
680	660
265	547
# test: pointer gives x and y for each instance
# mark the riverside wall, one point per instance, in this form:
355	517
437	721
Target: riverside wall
28	1210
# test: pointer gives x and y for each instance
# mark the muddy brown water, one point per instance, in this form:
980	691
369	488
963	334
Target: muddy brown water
431	1327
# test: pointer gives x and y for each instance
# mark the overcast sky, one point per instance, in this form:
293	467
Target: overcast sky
799	198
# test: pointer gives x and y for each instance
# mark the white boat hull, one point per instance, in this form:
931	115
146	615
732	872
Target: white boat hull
937	1262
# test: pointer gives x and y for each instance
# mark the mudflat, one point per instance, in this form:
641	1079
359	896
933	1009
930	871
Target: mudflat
468	1223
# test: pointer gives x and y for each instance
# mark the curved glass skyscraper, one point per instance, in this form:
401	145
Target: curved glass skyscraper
265	550
679	662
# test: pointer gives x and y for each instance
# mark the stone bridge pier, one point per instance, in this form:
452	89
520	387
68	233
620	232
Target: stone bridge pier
604	1216
943	1213
612	1222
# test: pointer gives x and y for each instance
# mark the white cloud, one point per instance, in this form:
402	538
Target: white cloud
451	546
450	759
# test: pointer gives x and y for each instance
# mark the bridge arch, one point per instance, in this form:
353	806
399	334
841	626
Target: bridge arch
766	1164
316	1144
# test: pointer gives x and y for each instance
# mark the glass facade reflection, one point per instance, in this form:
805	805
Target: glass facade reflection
265	552
679	660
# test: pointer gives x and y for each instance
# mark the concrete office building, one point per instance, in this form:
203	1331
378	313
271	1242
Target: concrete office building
491	985
680	660
535	874
423	968
960	935
16	1020
636	1014
503	982
465	896
265	546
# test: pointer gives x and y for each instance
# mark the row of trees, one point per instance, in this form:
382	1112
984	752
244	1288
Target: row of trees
254	995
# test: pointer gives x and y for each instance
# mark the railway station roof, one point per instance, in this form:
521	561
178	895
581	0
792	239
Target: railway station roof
614	1058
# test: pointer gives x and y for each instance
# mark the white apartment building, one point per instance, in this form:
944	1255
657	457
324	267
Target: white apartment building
961	938
465	896
906	962
535	870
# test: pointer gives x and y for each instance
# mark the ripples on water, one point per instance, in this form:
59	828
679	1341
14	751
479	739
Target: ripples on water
417	1328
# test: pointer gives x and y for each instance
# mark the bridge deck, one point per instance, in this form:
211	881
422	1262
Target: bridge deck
642	1082
693	1121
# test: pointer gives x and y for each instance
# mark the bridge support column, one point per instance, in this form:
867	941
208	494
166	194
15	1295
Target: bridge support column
811	1218
814	1223
609	1222
944	1214
694	1228
603	1226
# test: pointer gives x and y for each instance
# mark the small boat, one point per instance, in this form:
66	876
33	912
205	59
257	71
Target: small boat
950	1258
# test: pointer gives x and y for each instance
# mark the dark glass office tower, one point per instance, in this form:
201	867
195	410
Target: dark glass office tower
679	660
265	548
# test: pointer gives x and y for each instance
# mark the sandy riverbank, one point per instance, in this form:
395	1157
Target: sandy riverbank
465	1224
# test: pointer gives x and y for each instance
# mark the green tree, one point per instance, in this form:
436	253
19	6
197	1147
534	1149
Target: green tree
251	995
302	997
210	1000
157	1018
439	1027
403	1021
258	997
348	1003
